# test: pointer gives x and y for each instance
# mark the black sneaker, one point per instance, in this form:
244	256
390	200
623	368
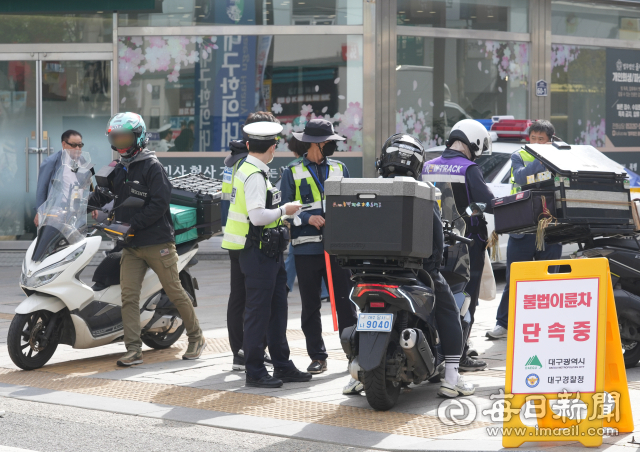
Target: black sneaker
265	382
291	375
317	366
471	365
472	353
238	363
267	360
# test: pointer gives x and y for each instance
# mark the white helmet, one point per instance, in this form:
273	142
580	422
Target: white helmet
473	134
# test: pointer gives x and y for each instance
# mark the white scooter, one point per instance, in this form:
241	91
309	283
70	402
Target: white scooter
62	309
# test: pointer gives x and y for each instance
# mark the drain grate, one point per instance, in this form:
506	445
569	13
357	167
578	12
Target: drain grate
421	426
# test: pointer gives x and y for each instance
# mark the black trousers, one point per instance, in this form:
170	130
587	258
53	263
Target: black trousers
447	316
265	311
476	257
235	306
311	268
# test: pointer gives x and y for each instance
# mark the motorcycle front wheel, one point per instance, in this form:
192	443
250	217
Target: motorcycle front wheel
381	393
26	346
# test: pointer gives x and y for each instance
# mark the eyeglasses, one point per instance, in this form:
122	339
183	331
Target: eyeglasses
75	145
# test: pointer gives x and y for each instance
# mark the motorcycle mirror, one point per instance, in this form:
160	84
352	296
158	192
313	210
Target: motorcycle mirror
132	202
475	209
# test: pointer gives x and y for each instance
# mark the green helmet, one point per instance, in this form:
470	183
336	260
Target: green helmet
127	133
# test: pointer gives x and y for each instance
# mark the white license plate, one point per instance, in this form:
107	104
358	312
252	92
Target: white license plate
375	322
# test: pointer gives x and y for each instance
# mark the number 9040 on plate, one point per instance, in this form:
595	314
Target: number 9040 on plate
375	322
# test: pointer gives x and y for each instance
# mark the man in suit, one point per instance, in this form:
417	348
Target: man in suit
71	143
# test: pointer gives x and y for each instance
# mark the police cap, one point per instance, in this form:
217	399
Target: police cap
264	130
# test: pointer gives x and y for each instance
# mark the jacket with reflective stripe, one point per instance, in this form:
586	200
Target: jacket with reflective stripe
308	192
526	159
237	229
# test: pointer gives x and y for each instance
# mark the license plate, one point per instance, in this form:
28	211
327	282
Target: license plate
375	322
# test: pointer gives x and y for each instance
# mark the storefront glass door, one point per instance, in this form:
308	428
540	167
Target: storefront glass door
40	98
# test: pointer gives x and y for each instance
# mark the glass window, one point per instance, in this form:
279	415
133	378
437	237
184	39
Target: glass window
498	15
249	12
578	89
595	20
442	81
55	28
203	88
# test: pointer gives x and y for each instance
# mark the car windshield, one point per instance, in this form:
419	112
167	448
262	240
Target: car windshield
63	216
490	165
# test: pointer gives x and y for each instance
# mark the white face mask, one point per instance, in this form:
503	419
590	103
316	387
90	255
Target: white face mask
273	154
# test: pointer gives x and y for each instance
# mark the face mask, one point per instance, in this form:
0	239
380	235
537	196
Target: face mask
329	148
273	154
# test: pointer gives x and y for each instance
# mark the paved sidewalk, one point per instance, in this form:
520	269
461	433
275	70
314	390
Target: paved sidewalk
209	393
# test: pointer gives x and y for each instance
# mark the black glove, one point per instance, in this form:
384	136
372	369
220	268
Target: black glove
122	232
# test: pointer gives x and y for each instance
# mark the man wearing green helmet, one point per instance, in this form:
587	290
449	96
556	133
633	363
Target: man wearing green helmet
151	241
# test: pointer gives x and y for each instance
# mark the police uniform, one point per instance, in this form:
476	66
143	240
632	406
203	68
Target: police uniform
303	181
262	266
522	247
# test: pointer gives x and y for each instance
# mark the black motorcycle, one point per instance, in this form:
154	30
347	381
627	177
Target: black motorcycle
623	254
395	340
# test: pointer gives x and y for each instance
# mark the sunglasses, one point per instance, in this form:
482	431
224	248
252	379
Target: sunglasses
75	145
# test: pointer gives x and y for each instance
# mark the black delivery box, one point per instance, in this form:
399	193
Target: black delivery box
377	218
589	187
522	211
203	193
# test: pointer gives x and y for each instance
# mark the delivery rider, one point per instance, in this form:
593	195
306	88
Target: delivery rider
254	226
304	182
522	247
467	141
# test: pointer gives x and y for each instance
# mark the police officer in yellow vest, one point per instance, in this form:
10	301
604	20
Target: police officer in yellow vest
237	295
522	247
304	182
254	226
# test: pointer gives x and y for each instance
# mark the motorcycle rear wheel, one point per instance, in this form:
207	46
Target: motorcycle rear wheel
23	344
630	353
381	393
160	341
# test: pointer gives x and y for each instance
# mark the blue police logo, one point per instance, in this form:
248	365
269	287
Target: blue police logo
532	380
367	204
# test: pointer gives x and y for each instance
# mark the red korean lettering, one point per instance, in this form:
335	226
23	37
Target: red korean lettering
557	300
585	299
543	301
531	332
530	301
570	300
556	331
581	331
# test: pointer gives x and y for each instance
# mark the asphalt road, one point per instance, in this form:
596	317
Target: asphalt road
42	427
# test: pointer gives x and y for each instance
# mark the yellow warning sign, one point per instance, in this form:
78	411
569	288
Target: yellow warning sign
565	376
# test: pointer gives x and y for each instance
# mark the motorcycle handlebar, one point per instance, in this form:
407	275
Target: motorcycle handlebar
459	238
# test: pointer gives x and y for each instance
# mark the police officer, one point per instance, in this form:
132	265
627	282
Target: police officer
237	294
152	242
403	155
467	141
254	227
304	182
522	247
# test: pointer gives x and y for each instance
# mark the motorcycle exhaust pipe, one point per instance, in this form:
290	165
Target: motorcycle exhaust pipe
354	368
417	351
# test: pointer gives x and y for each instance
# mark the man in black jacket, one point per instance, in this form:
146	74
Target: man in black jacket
150	239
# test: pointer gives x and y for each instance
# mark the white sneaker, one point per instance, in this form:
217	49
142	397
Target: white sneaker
462	388
497	332
353	387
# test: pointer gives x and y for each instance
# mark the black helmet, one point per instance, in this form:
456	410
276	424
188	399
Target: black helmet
402	155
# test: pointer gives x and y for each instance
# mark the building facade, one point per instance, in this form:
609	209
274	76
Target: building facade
195	69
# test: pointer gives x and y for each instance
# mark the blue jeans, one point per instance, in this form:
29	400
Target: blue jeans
523	250
290	266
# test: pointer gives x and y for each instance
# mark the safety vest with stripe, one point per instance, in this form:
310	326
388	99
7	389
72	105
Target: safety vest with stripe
237	229
227	180
308	192
527	159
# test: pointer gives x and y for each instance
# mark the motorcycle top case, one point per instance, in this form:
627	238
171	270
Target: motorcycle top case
522	211
589	187
205	195
379	217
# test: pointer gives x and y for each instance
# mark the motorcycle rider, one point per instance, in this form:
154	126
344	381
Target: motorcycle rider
403	155
522	247
467	141
149	240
